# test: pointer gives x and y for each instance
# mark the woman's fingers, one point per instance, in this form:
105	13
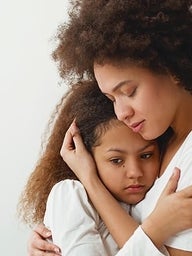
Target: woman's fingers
38	246
186	192
172	183
42	231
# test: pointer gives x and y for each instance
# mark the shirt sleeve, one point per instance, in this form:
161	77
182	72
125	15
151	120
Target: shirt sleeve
183	160
73	220
140	244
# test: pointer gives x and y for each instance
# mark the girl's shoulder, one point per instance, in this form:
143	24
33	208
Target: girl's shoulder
68	187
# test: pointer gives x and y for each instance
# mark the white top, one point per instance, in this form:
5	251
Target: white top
182	160
78	230
75	224
140	245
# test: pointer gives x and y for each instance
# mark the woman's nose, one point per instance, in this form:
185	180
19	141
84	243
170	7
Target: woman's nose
123	111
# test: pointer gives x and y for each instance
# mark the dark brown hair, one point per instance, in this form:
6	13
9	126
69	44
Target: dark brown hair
155	34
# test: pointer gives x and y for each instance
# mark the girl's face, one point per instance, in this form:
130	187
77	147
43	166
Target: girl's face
127	164
144	101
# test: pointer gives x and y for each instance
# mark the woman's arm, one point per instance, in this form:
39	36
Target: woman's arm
161	224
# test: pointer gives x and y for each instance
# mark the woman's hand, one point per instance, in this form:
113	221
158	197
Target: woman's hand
37	244
76	155
172	214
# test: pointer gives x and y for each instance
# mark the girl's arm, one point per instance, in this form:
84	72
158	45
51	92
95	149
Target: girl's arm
77	157
163	222
74	222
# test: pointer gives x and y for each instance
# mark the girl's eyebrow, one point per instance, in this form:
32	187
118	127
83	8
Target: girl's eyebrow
116	150
140	150
148	145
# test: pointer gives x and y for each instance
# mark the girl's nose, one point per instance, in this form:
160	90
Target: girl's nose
133	171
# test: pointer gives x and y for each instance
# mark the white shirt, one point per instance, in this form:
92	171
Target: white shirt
182	160
78	230
75	224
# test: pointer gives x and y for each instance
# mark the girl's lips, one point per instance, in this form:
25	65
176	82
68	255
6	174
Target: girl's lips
135	188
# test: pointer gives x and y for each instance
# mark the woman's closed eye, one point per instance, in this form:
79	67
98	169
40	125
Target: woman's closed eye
111	98
132	92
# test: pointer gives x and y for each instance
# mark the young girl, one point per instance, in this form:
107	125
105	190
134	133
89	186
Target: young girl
126	164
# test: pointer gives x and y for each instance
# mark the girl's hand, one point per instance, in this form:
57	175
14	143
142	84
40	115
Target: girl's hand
76	155
37	244
172	214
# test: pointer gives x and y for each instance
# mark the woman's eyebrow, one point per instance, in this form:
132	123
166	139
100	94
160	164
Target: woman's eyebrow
121	84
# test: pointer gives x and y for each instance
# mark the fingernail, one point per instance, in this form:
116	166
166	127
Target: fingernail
48	233
57	251
74	128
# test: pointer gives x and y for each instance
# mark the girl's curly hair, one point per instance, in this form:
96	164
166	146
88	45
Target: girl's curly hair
155	34
94	113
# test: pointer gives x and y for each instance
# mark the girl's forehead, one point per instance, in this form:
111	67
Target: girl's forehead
118	137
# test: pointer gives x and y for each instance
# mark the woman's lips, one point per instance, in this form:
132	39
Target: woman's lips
136	127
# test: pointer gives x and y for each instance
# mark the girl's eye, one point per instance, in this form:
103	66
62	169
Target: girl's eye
146	155
116	161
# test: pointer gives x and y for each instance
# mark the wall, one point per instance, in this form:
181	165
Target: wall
29	89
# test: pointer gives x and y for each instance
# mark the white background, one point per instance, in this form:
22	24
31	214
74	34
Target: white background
29	90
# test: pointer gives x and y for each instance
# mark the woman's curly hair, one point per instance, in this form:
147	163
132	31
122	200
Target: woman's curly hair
94	113
155	34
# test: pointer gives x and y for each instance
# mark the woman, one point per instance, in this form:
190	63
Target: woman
140	54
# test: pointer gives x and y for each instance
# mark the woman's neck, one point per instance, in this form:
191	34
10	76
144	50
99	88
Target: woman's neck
171	148
182	120
181	127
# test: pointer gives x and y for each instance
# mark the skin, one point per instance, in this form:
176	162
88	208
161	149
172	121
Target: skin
145	107
37	244
127	164
131	162
162	223
139	96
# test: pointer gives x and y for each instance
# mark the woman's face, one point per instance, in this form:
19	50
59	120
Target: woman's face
127	164
144	101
